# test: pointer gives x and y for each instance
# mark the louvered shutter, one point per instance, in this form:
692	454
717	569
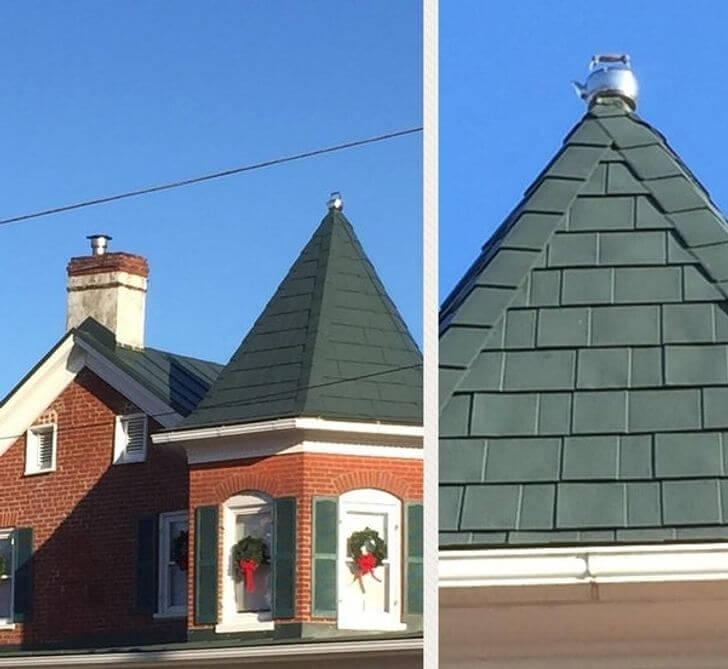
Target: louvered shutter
206	531
325	526
44	452
414	567
284	558
23	583
131	438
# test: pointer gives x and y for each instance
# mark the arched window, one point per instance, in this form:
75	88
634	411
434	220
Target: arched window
246	605
371	601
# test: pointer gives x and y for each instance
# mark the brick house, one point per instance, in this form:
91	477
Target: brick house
584	411
128	475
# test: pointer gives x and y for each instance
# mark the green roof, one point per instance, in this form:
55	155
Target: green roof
179	381
330	343
584	355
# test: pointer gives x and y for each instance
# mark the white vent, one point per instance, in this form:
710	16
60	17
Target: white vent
40	455
131	438
45	450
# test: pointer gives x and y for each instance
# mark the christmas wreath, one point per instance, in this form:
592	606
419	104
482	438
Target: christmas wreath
249	553
368	550
180	551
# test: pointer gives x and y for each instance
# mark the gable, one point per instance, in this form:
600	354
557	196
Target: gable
584	356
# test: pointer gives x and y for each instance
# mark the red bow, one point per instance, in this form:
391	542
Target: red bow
366	564
247	567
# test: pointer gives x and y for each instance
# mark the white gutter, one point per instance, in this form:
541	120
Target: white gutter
200	657
587	564
379	429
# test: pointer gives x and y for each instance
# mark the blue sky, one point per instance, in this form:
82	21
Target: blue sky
101	97
506	101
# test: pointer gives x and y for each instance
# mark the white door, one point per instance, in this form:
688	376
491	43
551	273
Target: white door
370	601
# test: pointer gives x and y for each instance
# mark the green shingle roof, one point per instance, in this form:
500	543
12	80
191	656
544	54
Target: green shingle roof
330	343
584	355
179	381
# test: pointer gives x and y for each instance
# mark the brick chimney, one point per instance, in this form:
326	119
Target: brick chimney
112	289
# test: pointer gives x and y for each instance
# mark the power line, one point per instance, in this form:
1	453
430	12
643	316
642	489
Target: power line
234	403
209	177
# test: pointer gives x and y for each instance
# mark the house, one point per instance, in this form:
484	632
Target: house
584	413
165	503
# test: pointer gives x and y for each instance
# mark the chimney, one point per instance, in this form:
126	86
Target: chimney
610	76
110	288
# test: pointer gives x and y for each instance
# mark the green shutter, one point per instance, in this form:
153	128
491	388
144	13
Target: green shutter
23	579
147	564
325	526
206	530
414	584
284	558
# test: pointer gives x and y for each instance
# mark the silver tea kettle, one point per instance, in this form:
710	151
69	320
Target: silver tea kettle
610	75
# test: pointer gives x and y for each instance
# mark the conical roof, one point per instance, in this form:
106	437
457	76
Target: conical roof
584	357
330	343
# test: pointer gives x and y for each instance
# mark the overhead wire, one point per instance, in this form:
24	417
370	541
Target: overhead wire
209	177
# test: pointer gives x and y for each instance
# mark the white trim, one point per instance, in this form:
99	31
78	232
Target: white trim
249	503
38	392
370	501
203	453
199	656
32	443
136	393
121	456
52	377
583	564
317	424
165	521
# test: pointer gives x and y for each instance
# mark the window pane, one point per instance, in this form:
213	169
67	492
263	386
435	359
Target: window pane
6	550
5	590
176	578
257	525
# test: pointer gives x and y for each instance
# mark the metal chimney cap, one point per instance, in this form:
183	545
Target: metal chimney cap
610	75
336	201
99	244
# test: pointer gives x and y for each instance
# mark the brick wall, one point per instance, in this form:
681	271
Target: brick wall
303	475
84	518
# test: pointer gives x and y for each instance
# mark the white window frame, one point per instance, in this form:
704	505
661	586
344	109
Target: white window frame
7	623
246	503
370	500
165	523
31	449
121	457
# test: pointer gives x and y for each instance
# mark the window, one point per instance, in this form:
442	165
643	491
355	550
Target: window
246	606
6	577
40	452
371	601
130	440
173	564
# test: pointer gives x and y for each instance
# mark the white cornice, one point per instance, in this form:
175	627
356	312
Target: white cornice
51	378
308	653
287	424
200	452
582	564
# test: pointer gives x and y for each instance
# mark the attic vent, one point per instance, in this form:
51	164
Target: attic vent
45	450
131	439
610	75
40	455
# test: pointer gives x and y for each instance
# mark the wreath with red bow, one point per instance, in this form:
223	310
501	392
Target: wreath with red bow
180	550
249	553
367	549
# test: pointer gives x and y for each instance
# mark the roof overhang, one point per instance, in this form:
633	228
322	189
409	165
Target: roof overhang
296	435
55	372
231	656
480	568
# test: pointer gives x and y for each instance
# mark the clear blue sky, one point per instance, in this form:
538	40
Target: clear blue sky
101	97
506	101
